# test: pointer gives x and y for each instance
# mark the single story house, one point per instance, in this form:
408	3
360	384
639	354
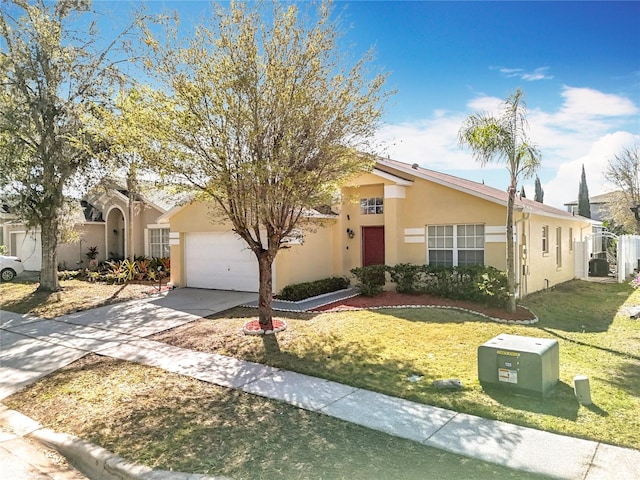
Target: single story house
101	219
396	213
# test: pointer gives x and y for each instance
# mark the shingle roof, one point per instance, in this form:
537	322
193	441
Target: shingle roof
602	198
473	188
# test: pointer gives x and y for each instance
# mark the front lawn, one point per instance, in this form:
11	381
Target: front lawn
173	422
22	296
384	350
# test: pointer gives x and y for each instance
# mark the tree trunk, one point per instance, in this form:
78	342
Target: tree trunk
265	291
49	269
511	274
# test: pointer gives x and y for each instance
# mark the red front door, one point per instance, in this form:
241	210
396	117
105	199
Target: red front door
372	246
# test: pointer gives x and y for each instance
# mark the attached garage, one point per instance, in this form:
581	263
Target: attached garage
220	261
28	247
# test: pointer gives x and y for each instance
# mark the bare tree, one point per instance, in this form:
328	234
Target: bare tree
262	115
623	171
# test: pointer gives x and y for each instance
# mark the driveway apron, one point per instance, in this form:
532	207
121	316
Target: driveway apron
31	347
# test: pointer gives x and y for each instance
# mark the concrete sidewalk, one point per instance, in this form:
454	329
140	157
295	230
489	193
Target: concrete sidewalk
33	347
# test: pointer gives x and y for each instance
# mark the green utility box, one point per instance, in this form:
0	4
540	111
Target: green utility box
524	365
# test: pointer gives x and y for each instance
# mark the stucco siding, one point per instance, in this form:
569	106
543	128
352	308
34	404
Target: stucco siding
353	219
542	267
90	235
312	260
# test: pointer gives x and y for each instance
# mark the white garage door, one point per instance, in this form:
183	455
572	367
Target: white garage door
29	248
220	261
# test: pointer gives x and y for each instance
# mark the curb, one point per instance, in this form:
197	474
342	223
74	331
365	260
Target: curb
90	459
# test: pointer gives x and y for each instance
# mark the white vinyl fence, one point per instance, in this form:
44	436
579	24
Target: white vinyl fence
628	255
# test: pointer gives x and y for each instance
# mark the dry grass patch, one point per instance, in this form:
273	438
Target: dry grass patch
76	295
177	423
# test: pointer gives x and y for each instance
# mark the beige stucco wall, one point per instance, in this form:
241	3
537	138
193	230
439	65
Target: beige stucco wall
116	215
424	203
91	235
350	217
410	205
312	260
541	269
409	209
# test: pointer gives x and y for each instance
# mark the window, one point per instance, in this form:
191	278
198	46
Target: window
570	239
558	247
159	242
453	245
545	239
371	206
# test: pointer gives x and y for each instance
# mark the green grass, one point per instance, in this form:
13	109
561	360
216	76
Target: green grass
378	350
172	422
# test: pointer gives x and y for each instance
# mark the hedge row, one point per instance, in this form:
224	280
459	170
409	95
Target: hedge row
301	291
477	283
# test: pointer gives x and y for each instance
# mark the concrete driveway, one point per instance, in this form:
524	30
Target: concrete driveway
32	347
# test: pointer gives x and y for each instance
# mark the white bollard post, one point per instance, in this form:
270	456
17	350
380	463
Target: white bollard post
582	389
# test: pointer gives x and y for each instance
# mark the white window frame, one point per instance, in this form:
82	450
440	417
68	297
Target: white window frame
447	238
372	206
570	239
162	244
559	247
545	239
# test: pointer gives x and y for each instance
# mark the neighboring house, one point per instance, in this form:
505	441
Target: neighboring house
18	240
397	213
597	206
102	221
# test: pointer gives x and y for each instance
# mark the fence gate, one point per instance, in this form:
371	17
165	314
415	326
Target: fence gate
599	245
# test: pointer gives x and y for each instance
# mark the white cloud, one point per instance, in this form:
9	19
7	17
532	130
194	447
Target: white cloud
564	186
539	73
589	127
431	143
589	103
485	104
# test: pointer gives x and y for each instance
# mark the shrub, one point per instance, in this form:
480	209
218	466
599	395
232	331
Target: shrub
371	279
68	274
476	283
493	287
301	291
406	277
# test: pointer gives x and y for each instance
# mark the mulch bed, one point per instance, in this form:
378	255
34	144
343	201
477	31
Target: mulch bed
394	299
253	327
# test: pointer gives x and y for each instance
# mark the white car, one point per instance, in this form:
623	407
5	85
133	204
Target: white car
10	267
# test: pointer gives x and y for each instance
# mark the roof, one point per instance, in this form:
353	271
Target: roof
472	188
90	213
602	198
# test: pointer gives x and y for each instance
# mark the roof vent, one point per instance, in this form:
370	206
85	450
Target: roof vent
415	166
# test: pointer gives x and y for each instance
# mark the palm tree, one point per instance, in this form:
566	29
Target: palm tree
503	139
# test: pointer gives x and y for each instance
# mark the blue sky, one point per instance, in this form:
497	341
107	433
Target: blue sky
577	62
